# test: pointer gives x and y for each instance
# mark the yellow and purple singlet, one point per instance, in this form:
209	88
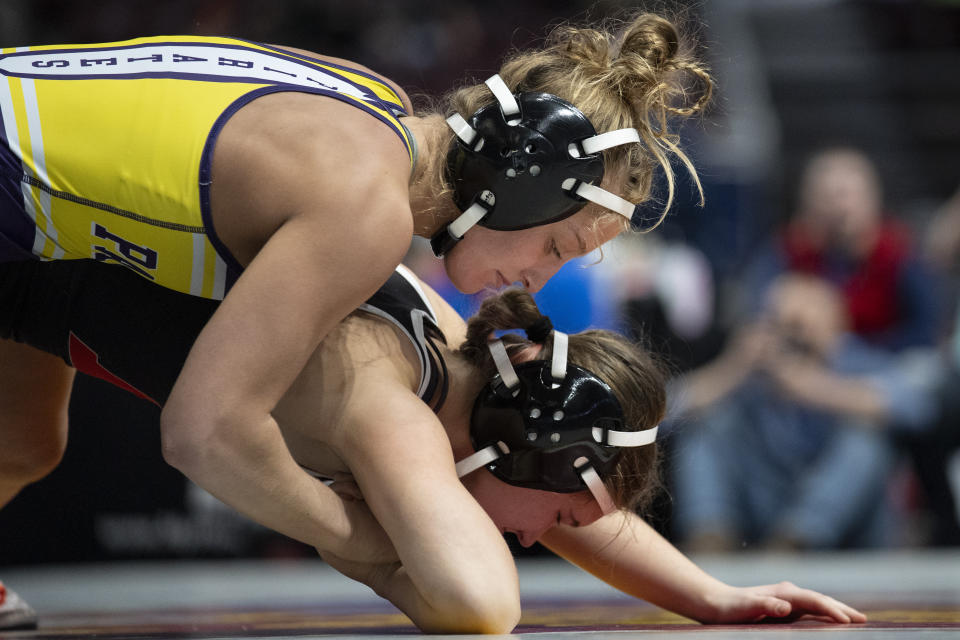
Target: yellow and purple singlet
105	149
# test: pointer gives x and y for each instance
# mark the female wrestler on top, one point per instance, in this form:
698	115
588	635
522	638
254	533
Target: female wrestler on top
404	425
295	182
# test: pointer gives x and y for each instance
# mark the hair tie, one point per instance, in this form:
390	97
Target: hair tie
539	330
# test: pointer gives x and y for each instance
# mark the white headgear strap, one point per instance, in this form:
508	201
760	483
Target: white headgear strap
502	361
599	490
558	365
476	460
508	104
625	438
601	197
462	128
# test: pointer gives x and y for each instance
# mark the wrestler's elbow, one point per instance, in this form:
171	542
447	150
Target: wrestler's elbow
189	437
489	613
493	618
175	441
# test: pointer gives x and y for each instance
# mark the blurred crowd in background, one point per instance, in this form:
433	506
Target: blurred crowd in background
807	314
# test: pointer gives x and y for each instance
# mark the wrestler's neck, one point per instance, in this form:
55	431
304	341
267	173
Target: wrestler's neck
430	210
465	382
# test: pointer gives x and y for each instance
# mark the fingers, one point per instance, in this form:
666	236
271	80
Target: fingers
751	605
783	602
853	614
346	486
347	490
767	608
806	601
776	608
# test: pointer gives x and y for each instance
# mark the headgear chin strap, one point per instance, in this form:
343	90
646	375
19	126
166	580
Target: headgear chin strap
528	160
549	426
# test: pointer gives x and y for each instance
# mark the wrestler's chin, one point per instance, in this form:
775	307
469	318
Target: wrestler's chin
464	279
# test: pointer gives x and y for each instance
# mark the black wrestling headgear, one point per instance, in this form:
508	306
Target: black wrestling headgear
530	159
549	426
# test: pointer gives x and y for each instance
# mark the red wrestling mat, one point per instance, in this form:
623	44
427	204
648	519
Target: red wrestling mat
540	617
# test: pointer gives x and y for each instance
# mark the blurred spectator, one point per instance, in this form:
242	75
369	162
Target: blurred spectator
840	233
663	291
789	448
850	320
943	235
935	450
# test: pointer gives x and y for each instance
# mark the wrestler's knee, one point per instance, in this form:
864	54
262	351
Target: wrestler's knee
34	396
35	446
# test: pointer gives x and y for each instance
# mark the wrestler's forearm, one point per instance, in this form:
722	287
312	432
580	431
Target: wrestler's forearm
625	552
639	561
249	467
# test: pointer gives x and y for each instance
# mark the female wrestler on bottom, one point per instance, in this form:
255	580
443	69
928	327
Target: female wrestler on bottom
437	451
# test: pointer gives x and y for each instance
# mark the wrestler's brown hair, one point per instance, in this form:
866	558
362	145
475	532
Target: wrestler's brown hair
636	379
637	72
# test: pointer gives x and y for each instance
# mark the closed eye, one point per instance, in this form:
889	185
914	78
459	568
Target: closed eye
555	250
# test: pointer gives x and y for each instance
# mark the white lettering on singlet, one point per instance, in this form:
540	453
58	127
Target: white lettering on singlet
177	60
